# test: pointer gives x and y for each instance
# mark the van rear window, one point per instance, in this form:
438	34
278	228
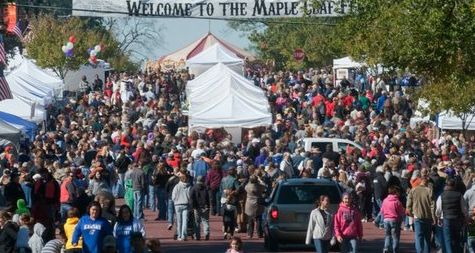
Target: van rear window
307	194
321	145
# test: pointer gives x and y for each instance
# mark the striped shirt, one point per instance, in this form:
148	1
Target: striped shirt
53	246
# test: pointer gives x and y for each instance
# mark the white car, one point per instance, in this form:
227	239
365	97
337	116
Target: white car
321	143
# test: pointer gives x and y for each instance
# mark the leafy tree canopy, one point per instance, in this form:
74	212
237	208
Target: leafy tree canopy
278	40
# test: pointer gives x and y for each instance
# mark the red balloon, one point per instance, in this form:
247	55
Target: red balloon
72	39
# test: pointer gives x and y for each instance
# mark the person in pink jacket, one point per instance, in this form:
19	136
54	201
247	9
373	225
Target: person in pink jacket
393	213
347	225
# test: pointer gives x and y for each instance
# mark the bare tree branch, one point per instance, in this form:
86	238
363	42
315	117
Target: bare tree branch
136	33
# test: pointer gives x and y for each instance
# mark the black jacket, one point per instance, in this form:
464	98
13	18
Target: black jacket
171	183
379	184
199	196
8	236
13	192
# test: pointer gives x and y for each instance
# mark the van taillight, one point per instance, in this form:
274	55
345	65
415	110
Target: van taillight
274	213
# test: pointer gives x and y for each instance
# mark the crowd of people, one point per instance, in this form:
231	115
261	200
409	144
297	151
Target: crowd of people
126	137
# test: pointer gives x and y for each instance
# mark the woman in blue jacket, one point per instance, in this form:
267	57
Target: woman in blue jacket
92	228
125	226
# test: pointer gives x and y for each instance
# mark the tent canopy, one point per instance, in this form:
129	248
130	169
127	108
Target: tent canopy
180	56
214	54
23	108
32	83
448	121
9	133
31	72
221	97
346	62
27	127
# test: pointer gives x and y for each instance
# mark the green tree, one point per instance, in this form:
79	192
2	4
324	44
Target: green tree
433	39
277	39
49	34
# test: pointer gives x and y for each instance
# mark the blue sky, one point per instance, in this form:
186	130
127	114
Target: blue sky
180	32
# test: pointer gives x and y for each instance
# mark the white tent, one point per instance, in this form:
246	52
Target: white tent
10	134
448	121
444	120
31	73
31	83
346	62
221	97
211	56
24	109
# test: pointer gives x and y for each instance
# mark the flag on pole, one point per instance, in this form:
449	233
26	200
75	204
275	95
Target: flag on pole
3	57
17	31
5	92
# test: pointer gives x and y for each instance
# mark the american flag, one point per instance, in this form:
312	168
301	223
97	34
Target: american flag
5	92
17	31
3	57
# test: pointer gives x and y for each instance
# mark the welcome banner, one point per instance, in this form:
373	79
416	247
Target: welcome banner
232	9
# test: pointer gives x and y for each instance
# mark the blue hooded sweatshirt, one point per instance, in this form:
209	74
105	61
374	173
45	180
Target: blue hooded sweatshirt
92	232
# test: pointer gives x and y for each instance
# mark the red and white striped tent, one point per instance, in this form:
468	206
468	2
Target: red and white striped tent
178	58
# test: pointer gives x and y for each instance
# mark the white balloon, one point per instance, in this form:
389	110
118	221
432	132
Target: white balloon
93	53
97	48
65	49
69	45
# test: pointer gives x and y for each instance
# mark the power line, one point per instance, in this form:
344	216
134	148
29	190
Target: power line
248	20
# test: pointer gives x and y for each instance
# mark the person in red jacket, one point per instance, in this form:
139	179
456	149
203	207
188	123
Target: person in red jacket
347	225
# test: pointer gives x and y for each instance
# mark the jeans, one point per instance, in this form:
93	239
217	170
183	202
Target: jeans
118	189
378	217
181	221
392	233
27	190
349	245
422	234
439	238
152	201
201	217
161	195
321	246
452	235
471	244
138	204
170	211
213	200
64	211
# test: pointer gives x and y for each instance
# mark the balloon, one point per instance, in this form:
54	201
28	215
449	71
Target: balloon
69	53
92	60
93	53
64	49
89	50
72	39
97	48
69	45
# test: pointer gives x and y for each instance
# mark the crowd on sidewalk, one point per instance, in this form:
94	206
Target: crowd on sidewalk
127	137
